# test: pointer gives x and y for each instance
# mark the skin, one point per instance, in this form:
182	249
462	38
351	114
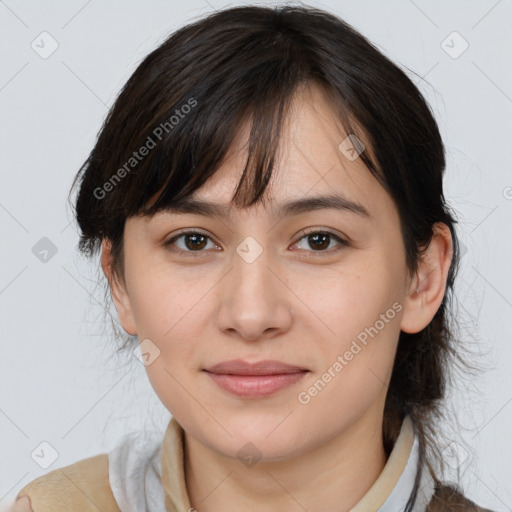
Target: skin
295	304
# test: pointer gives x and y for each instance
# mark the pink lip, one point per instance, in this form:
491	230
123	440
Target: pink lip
254	380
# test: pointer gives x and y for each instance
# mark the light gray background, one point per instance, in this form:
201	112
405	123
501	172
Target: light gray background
60	381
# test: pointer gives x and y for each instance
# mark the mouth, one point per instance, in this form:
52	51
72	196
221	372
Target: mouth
254	380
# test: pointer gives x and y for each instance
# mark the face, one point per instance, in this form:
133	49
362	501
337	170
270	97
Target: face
322	289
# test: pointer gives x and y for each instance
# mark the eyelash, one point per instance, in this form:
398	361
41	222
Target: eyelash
342	243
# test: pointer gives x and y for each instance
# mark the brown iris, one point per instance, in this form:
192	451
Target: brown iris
197	240
319	240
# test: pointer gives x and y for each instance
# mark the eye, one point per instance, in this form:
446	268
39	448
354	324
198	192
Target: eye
193	243
320	241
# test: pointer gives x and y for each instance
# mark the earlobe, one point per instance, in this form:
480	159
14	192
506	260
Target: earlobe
118	290
427	288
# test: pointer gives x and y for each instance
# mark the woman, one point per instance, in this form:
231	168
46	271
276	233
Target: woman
267	196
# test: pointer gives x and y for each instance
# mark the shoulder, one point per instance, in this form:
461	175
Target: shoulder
448	498
82	486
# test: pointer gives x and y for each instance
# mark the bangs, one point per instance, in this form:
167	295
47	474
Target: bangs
192	153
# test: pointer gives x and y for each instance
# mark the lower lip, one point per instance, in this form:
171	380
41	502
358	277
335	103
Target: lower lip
255	386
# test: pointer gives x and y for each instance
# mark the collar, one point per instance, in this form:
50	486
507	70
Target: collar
389	493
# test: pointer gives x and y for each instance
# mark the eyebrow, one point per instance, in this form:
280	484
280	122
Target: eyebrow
294	207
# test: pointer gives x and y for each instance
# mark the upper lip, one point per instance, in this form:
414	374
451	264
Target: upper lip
241	367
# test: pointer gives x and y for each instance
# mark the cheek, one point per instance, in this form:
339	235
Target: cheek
346	302
163	301
171	374
357	324
355	357
171	310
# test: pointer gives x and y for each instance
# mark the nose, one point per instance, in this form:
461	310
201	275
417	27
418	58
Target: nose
255	302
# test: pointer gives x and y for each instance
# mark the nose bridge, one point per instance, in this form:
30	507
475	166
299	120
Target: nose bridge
253	300
251	273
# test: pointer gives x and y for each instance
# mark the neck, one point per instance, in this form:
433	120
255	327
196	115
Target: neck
343	468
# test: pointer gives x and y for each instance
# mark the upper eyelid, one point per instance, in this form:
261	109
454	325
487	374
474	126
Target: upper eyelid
188	232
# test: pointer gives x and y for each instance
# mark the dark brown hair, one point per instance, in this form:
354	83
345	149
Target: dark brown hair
186	102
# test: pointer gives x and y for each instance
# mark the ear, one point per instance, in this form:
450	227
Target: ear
427	288
118	290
